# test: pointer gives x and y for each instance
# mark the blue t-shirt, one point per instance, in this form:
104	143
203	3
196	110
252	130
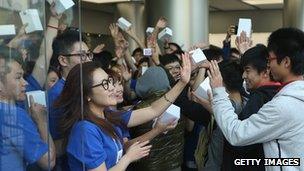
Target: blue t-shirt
54	113
32	84
90	146
20	142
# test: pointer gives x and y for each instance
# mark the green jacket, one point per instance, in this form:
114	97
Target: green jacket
167	149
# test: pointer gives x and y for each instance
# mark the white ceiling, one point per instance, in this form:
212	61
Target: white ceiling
214	5
238	5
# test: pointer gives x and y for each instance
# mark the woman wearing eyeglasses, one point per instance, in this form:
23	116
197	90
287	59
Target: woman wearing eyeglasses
94	135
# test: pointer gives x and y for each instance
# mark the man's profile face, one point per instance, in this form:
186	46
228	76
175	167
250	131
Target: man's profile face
252	78
277	70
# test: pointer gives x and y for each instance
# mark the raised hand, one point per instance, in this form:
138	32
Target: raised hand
130	31
186	68
37	111
164	127
206	103
53	11
119	52
243	43
231	30
99	48
114	30
138	150
214	75
162	22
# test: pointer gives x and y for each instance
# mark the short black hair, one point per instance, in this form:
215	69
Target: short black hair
176	45
144	59
256	57
169	58
64	42
213	53
137	50
288	42
104	58
231	72
9	55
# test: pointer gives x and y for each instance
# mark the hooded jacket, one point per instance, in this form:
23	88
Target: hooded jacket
279	124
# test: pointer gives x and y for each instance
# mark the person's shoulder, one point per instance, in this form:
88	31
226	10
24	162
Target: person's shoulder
57	87
86	127
85	124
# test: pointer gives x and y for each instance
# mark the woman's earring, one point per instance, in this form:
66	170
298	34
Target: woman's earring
89	99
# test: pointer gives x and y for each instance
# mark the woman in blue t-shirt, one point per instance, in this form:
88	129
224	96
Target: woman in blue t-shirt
94	135
158	128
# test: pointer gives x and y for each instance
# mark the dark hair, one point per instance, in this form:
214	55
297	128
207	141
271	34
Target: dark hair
176	45
137	50
142	60
213	53
256	57
63	43
54	69
232	75
70	101
116	77
288	42
104	58
234	50
178	52
8	55
169	58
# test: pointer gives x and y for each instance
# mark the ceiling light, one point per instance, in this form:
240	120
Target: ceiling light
263	2
105	1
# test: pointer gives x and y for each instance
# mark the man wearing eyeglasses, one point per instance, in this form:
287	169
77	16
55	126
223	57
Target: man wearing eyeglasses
68	51
279	124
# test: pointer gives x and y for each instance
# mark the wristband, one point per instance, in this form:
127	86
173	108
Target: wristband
52	27
165	97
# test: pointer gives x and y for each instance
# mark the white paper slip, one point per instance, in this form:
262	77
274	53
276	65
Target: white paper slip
244	25
198	55
31	17
149	30
39	97
6	30
166	33
172	113
202	89
123	23
62	5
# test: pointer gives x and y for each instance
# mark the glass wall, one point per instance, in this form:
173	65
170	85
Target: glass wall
32	76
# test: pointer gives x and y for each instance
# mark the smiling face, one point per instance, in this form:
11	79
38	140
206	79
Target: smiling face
13	85
252	78
118	92
103	92
174	69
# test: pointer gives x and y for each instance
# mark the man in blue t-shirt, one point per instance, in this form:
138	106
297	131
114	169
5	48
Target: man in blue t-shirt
23	136
68	50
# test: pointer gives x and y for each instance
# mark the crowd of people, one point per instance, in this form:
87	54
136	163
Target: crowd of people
104	110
